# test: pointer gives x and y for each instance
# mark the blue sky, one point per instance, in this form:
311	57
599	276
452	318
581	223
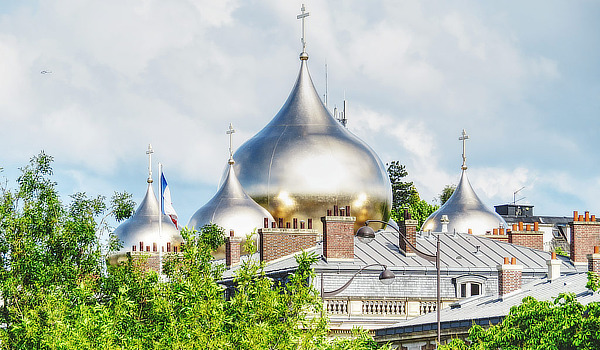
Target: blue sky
521	77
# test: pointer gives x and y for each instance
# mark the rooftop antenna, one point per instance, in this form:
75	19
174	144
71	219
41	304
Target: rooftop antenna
149	153
326	85
302	16
464	137
230	132
515	200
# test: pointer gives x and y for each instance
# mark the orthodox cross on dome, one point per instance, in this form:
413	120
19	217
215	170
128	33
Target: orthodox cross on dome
149	153
464	137
230	132
302	16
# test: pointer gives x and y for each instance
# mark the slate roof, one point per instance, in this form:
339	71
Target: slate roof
490	309
459	255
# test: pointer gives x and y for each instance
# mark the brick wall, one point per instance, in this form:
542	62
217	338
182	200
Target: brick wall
233	250
594	260
279	242
530	239
408	227
584	236
509	276
338	237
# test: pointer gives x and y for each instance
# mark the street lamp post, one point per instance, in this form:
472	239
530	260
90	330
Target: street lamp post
385	277
366	234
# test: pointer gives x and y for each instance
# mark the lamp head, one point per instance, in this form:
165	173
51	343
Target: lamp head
386	276
365	234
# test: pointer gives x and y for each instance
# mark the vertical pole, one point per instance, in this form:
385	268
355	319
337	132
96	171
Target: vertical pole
160	214
438	302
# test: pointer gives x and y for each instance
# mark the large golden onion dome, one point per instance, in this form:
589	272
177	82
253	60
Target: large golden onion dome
305	162
232	209
142	228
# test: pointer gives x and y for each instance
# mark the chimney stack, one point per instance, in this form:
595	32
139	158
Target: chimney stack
553	267
585	234
338	236
408	228
233	250
594	261
509	277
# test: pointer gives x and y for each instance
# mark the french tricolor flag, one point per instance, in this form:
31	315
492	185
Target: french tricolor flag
165	198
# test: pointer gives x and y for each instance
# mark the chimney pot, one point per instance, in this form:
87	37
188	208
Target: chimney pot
310	224
287	224
302	224
342	211
169	247
495	231
154	247
513	261
596	250
527	227
231	233
328	212
348	210
536	226
273	224
133	247
514	227
336	210
295	223
266	223
593	218
580	218
506	260
470	231
520	225
502	231
280	222
553	255
575	215
587	216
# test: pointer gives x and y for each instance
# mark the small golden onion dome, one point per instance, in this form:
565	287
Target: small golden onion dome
142	228
232	209
465	211
304	162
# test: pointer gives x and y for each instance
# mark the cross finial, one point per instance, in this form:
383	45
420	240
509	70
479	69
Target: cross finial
302	16
149	153
464	137
230	132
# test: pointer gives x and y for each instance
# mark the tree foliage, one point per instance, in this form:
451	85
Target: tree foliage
563	323
446	193
58	293
406	196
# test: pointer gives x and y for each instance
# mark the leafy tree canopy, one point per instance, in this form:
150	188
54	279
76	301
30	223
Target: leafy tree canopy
59	294
406	196
446	193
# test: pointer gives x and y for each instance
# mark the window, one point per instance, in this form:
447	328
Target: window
469	285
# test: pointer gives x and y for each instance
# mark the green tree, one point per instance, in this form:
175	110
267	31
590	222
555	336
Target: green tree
406	196
58	294
446	193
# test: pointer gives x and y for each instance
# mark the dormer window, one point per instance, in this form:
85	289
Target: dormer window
469	285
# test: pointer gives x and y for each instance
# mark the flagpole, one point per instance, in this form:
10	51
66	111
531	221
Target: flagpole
160	214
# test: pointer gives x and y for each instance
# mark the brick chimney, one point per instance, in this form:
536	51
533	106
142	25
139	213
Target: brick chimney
277	242
408	228
585	234
233	250
594	260
526	237
553	267
338	235
509	277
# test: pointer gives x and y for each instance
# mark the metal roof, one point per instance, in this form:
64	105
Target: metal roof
493	309
459	255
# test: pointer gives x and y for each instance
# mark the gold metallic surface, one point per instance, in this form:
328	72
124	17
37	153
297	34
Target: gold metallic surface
305	162
465	211
232	209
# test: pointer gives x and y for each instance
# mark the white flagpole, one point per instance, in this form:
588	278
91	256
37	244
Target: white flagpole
160	214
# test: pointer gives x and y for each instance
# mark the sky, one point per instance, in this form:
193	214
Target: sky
522	78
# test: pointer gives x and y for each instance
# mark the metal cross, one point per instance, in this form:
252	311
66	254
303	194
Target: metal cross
149	153
230	132
302	16
464	138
